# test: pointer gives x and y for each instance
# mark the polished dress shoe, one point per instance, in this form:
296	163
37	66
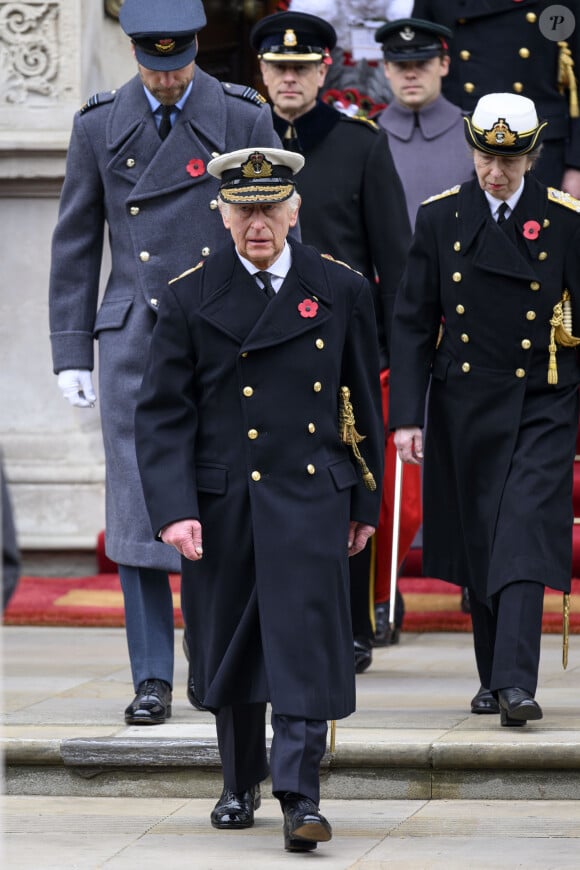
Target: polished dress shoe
151	705
236	810
516	706
484	702
304	826
363	654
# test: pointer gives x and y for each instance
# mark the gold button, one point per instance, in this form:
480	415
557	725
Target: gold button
319	343
542	255
215	154
469	87
213	204
520	373
134	210
466	367
518	87
524	52
248	391
456	277
130	162
464	55
154	303
317	386
546	223
244	355
205	252
464	337
256	475
531	17
252	434
530	315
456	246
310	469
526	343
534	285
461	20
144	256
311	428
460	309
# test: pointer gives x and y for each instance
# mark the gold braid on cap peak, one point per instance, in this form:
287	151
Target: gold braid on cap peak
560	333
349	435
567	79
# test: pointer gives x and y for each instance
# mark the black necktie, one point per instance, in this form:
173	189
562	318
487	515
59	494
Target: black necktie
266	280
165	124
501	218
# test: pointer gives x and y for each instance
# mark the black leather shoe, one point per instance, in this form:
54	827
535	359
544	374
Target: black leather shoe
382	626
465	604
363	655
236	810
151	705
191	694
484	702
304	826
516	706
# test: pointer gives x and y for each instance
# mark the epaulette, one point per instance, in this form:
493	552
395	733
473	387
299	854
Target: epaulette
245	92
562	198
187	272
368	122
451	192
340	263
97	100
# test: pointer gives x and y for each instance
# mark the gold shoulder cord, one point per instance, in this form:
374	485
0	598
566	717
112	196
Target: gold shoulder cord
349	435
567	79
560	333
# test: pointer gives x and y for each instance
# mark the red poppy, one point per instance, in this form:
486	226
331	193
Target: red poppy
531	230
195	167
308	308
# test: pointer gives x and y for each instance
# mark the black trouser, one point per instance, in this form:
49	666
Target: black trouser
297	749
507	636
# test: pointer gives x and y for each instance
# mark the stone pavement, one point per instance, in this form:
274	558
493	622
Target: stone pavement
415	781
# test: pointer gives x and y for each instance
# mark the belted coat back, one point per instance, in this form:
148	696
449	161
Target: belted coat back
238	425
500	439
159	204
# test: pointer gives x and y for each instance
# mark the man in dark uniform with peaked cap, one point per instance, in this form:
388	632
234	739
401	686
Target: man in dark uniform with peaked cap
353	204
264	360
507	46
137	161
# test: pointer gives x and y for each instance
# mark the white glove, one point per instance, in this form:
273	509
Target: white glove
76	386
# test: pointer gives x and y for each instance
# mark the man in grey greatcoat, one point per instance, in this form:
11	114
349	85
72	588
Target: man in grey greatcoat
137	162
264	358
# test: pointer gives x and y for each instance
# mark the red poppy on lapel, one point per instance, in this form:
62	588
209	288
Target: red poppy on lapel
308	308
195	167
531	230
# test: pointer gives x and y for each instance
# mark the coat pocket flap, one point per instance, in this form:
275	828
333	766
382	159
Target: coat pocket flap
112	315
212	478
343	474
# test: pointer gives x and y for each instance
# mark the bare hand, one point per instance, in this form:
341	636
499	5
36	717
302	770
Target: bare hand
185	536
358	535
409	443
571	182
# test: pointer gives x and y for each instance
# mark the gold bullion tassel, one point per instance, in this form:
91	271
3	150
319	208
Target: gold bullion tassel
350	436
565	628
567	79
560	333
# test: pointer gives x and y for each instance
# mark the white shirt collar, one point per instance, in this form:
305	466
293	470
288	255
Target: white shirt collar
278	270
495	203
154	102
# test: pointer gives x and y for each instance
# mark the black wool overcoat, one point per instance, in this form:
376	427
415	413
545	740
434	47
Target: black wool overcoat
237	425
500	439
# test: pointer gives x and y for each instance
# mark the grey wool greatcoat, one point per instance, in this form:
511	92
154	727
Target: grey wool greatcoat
500	439
238	425
159	203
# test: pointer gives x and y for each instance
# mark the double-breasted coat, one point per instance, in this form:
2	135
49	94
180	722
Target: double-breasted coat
159	203
353	203
238	425
500	439
498	46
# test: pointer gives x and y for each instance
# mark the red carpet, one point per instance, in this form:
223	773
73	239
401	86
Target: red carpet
430	605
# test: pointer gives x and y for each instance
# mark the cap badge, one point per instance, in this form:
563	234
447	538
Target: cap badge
290	40
165	46
257	166
407	34
500	134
